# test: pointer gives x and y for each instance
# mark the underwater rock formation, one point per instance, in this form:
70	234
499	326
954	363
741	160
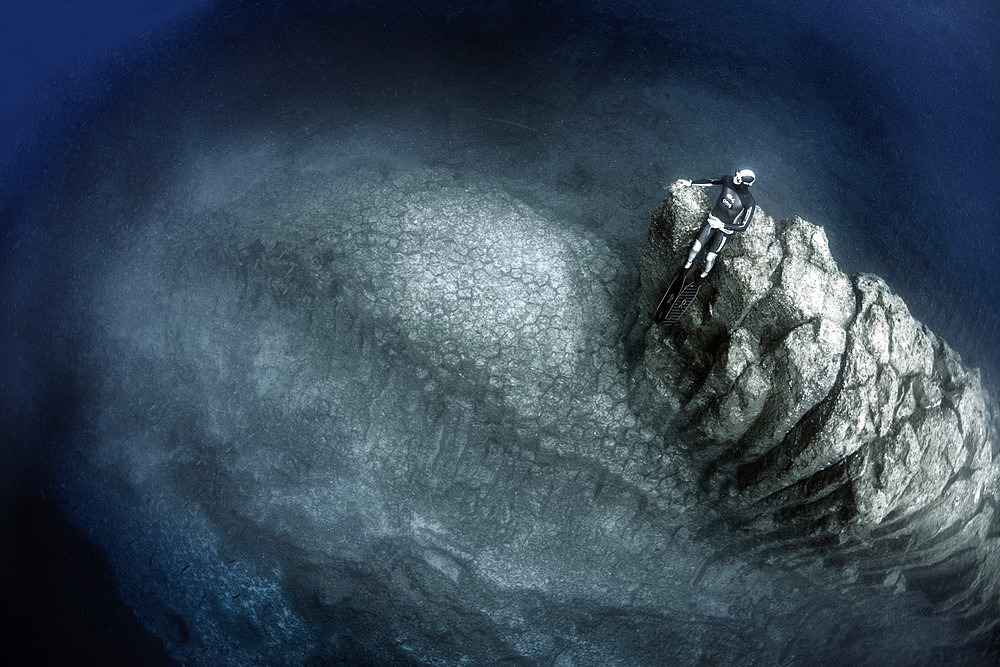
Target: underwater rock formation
831	424
404	417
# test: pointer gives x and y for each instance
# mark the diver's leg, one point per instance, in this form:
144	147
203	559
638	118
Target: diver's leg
718	243
702	239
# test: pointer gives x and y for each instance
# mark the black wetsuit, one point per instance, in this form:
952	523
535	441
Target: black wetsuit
734	209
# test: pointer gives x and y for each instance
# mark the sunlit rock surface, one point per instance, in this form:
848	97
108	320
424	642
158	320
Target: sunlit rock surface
834	425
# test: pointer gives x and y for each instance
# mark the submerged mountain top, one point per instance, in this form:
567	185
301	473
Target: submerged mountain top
835	427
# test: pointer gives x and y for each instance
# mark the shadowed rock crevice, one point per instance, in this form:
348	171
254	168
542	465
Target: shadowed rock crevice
801	434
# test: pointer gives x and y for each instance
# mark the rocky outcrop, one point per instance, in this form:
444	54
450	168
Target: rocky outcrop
822	413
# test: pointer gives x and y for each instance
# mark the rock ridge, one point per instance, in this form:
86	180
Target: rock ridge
819	410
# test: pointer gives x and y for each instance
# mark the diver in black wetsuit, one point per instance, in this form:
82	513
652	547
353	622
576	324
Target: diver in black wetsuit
732	214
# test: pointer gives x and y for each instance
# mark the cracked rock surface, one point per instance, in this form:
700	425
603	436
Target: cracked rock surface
825	415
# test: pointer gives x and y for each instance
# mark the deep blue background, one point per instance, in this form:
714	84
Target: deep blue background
57	59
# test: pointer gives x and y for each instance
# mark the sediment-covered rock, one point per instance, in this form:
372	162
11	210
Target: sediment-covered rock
824	413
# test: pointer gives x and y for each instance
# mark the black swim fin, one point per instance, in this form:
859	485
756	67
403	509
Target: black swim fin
687	294
681	278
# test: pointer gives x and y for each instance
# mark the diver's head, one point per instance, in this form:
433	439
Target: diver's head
744	177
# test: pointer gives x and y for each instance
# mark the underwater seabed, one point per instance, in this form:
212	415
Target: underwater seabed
345	320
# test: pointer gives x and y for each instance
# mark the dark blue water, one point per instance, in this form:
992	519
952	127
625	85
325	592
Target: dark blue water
876	121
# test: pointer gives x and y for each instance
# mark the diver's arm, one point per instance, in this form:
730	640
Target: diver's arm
702	182
708	182
743	221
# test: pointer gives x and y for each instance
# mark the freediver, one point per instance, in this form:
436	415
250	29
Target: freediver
732	214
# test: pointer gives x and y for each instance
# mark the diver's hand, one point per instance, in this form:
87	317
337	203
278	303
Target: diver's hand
715	223
686	182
